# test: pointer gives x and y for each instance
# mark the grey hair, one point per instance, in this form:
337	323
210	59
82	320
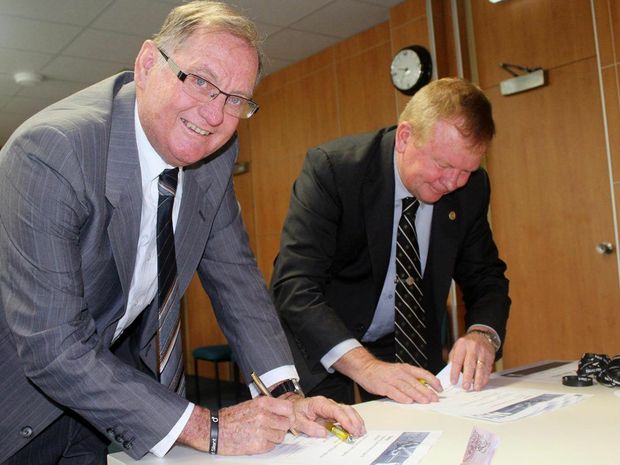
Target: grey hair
211	16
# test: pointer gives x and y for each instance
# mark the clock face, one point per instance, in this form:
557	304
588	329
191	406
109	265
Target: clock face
411	69
406	69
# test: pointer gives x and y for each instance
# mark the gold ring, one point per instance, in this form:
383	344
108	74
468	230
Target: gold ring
479	362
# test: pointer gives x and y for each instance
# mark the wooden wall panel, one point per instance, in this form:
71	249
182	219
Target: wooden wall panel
533	33
550	207
365	101
604	30
297	115
611	87
407	11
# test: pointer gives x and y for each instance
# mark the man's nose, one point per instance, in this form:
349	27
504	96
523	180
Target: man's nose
213	111
450	179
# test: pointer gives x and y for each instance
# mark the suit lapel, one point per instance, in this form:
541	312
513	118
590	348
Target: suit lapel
378	193
123	187
197	211
442	250
199	206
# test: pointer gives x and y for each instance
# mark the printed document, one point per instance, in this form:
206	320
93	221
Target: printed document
496	404
375	448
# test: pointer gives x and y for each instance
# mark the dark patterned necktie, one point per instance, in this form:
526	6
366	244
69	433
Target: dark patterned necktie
410	318
169	332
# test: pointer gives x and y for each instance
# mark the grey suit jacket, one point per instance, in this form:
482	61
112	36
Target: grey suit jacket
70	203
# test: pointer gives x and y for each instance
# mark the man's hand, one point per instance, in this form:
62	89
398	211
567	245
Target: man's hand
312	412
398	381
252	427
474	355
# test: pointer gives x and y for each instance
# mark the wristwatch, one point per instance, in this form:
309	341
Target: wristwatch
289	385
491	337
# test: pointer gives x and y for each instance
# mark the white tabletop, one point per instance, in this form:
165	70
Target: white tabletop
587	432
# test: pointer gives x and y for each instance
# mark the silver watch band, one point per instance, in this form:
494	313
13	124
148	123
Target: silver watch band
491	337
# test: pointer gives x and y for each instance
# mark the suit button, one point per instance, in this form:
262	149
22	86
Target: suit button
110	432
25	432
128	445
119	438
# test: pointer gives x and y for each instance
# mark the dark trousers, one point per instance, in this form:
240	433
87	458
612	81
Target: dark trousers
67	441
341	388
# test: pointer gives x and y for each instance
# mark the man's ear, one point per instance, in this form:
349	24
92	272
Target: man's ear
145	62
404	131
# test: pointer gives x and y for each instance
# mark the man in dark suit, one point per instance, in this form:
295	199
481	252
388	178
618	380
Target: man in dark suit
81	303
335	278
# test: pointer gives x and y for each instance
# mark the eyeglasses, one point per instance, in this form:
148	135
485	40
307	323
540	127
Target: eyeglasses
205	91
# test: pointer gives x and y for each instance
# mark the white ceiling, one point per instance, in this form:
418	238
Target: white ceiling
74	43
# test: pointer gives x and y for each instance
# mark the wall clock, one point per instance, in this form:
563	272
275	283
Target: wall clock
411	68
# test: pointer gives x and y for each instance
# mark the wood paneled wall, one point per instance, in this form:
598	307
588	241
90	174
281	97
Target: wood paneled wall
550	176
608	29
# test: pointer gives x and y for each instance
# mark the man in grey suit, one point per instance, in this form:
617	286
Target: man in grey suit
79	310
336	282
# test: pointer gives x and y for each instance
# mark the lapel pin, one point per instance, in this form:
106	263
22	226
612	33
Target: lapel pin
452	215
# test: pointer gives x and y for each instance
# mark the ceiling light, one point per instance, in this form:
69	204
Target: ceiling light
27	78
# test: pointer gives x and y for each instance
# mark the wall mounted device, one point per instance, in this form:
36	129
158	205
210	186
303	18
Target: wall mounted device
531	79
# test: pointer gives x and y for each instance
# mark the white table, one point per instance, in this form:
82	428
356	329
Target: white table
581	434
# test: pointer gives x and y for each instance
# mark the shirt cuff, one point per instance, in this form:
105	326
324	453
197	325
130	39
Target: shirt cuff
163	446
337	352
275	376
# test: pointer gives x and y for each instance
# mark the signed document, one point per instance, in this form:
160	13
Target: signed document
496	404
375	448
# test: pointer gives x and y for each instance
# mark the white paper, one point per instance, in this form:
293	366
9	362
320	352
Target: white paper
444	377
499	404
375	448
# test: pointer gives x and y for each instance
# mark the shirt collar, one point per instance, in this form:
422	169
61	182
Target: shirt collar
400	191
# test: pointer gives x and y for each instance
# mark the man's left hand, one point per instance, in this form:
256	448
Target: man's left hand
312	412
474	355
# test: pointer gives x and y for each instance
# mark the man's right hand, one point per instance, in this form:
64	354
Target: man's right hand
252	427
400	382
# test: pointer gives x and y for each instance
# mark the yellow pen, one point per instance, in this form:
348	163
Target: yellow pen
338	431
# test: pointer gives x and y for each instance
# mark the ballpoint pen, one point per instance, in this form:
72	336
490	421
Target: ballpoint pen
263	389
338	431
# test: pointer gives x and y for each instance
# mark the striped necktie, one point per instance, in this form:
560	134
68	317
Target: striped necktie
170	349
410	318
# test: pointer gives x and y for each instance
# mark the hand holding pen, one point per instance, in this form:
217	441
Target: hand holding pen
264	391
315	416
